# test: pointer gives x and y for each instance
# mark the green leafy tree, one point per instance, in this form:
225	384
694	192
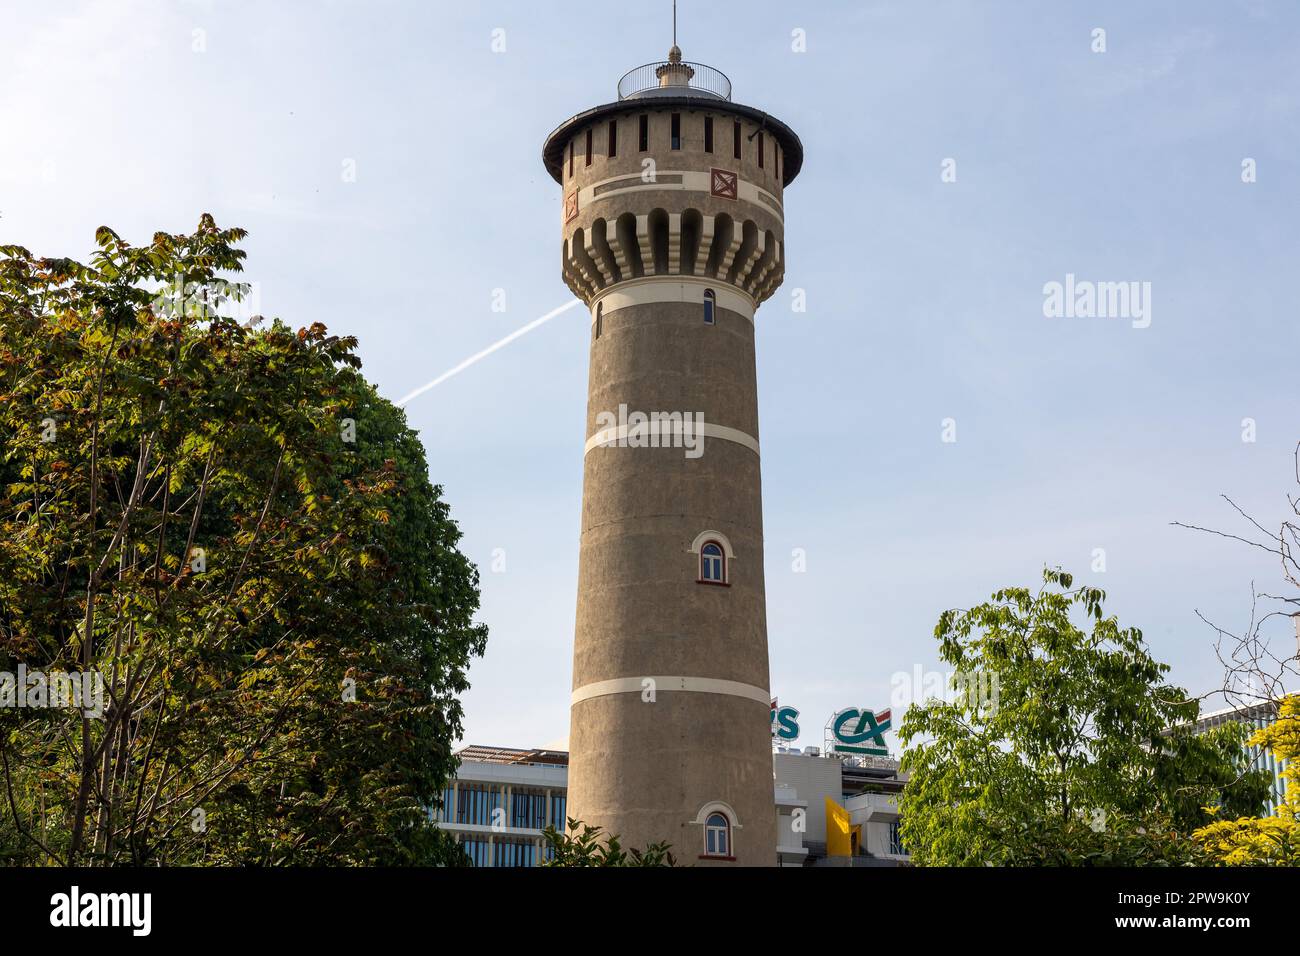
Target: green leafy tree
1062	745
1273	840
584	845
231	527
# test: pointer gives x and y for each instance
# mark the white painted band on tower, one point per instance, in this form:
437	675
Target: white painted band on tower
647	289
668	434
700	685
687	180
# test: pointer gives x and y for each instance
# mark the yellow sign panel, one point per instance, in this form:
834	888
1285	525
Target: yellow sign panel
842	837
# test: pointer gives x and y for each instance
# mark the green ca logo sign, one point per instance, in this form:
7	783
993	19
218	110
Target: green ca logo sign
859	731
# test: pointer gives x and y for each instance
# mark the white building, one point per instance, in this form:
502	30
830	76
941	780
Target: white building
502	798
500	801
866	787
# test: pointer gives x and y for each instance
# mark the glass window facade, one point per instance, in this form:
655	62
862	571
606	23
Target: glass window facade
443	812
510	853
528	809
499	822
557	819
503	851
476	803
478	850
896	839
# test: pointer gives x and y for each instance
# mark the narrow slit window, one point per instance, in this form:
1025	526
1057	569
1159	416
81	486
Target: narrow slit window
708	134
613	138
570	159
645	132
735	138
677	131
589	134
600	317
710	302
761	149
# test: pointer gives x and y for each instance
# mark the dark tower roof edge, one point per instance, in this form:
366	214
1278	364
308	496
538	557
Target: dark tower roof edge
553	150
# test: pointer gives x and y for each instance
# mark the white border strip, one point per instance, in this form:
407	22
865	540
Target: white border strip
701	685
693	180
647	289
667	430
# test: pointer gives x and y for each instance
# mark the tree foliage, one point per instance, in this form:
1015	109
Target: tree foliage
1081	753
584	845
1273	840
232	528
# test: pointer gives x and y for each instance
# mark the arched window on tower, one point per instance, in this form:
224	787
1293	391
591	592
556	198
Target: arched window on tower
713	564
710	302
600	317
717	835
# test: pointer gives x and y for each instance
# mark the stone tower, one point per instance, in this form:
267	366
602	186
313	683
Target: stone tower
673	233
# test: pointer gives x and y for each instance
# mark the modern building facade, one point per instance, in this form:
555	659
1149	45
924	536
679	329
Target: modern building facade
503	798
672	235
856	795
1256	717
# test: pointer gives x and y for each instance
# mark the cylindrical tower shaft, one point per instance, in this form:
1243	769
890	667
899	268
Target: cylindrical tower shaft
673	233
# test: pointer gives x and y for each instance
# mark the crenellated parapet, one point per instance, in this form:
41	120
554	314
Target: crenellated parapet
661	243
673	186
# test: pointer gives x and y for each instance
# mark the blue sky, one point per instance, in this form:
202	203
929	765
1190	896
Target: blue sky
924	298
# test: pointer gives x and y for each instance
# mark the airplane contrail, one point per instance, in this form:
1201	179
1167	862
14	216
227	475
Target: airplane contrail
524	330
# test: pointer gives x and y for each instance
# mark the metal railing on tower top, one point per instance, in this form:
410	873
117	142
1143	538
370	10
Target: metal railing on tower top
679	78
